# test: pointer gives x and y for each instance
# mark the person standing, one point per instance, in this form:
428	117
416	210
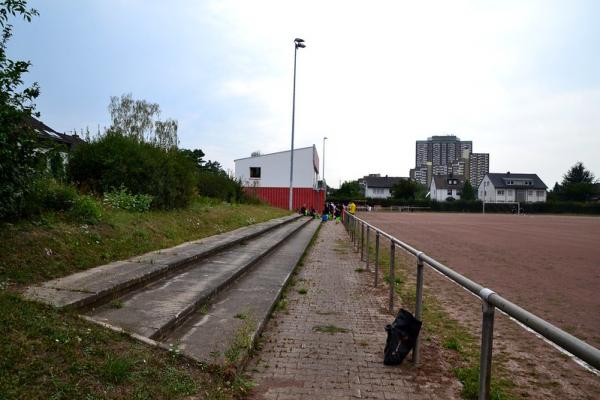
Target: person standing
352	208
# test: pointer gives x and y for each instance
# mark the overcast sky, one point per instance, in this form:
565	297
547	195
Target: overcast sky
521	79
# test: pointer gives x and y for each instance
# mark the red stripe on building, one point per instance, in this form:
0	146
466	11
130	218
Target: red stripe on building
279	197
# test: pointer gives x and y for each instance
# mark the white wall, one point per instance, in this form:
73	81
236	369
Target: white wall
441	194
506	195
371	192
486	190
275	169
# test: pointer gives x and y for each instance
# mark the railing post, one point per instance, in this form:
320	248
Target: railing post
362	241
418	306
391	274
376	257
356	234
368	249
487	337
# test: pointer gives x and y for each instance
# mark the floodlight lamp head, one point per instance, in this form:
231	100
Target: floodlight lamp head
300	45
298	40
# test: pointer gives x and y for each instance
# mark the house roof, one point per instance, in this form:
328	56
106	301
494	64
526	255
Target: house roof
45	132
276	152
441	181
382	181
500	181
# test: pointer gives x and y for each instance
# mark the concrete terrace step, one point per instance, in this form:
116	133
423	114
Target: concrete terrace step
98	284
210	335
158	307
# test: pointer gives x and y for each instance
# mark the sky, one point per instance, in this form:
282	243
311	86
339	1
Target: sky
521	79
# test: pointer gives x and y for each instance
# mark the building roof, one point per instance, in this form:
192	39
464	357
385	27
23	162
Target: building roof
45	132
501	181
442	181
276	152
382	181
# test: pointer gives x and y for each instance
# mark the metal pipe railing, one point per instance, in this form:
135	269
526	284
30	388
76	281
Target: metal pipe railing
490	301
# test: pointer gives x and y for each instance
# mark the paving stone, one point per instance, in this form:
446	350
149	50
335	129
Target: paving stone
346	365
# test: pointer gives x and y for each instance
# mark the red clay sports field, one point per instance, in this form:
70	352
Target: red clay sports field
548	264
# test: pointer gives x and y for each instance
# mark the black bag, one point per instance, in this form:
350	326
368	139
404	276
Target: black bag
402	336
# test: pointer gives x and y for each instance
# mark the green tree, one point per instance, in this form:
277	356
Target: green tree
139	119
406	189
578	174
212	180
468	192
578	184
114	160
18	160
349	190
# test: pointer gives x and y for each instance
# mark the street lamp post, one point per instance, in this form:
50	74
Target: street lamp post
298	43
324	184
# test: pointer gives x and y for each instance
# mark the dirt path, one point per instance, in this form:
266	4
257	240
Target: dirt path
297	361
496	252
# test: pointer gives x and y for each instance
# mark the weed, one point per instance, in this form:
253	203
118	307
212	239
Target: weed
203	309
177	382
240	316
331	329
452	343
359	269
116	303
469	377
302	291
116	369
242	342
281	305
326	312
242	385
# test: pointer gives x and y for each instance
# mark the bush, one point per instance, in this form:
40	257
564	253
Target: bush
47	194
86	210
114	161
59	196
124	200
220	186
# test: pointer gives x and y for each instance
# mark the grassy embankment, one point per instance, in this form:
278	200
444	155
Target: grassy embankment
48	353
440	327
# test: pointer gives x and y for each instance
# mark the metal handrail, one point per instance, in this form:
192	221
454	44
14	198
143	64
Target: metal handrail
490	301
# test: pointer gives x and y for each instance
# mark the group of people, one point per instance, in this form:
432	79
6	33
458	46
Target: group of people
331	211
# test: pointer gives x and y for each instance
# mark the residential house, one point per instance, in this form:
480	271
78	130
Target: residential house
379	187
446	187
48	134
510	187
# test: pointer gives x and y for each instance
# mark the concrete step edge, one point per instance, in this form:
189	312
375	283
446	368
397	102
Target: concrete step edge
265	314
189	310
81	299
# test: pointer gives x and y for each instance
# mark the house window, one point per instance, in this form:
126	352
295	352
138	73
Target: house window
500	192
530	193
540	193
449	192
255	172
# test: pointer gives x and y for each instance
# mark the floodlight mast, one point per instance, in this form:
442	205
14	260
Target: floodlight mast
298	43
